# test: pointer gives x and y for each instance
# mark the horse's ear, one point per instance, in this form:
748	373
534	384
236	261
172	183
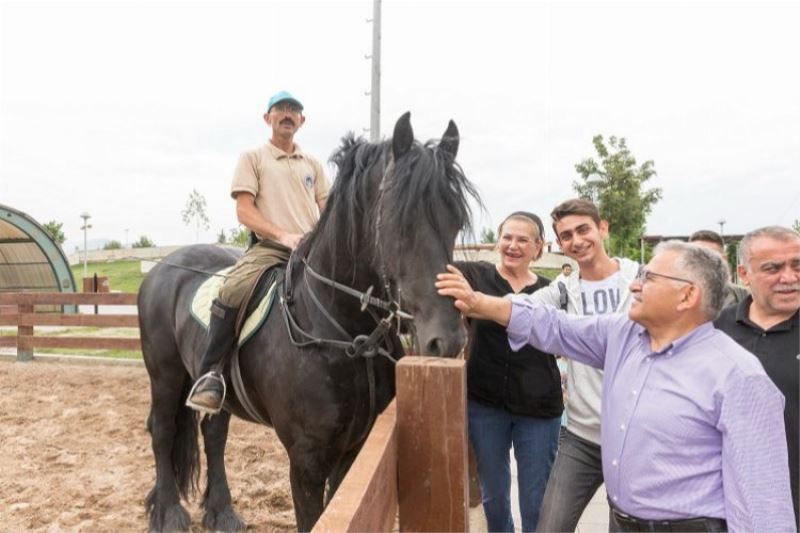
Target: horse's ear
449	142
403	136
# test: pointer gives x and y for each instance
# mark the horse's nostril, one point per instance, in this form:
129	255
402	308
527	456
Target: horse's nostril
435	347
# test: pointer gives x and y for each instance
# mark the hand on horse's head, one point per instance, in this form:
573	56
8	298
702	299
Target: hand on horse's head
453	284
472	303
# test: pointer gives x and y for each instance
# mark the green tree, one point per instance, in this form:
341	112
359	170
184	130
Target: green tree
239	237
488	236
615	184
796	225
195	213
112	245
53	229
221	238
143	242
731	255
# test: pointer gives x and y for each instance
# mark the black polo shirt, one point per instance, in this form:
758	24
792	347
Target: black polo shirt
777	348
526	382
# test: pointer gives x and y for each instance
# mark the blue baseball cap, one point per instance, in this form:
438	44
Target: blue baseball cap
283	96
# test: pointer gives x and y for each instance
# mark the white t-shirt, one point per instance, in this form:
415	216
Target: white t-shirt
585	383
601	297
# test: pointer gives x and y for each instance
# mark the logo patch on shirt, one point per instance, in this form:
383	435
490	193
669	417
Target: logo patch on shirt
309	181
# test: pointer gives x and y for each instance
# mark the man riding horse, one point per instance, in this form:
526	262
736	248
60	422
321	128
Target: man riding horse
280	192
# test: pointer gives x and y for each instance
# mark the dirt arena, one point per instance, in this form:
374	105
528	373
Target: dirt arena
76	455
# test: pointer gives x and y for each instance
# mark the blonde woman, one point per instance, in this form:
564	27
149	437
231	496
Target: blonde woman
515	398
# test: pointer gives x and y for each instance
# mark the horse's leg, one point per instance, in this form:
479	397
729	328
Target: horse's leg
309	468
338	473
219	514
174	441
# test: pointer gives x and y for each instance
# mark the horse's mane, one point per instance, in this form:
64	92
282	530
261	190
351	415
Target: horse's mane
426	182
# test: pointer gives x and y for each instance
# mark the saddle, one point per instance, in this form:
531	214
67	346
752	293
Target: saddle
256	307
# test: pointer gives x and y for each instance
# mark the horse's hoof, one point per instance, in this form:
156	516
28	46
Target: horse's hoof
173	518
224	520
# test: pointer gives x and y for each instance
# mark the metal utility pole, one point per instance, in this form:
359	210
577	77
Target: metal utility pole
85	216
375	91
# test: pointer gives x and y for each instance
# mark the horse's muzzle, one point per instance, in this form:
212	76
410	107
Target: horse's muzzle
449	345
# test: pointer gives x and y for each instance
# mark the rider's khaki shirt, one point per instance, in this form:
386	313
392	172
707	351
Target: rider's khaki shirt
287	187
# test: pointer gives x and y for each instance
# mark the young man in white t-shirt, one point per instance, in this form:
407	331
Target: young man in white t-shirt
599	286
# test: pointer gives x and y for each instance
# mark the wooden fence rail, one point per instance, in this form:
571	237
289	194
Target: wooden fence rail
25	318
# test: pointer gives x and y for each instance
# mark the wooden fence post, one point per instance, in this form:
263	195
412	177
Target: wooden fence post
24	333
432	444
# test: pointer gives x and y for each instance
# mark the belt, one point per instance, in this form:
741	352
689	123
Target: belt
627	522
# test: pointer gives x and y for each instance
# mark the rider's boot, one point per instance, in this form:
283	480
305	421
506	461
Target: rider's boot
208	393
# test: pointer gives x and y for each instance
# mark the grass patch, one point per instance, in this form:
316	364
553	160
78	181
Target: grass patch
113	354
125	276
549	273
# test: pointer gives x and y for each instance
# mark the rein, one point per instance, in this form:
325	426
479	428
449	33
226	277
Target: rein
365	298
366	346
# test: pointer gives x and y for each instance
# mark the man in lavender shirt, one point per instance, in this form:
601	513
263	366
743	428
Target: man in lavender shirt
693	435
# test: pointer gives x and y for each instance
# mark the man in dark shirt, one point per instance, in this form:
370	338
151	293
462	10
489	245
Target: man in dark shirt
766	323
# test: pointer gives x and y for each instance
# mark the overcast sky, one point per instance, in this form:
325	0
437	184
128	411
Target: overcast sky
122	108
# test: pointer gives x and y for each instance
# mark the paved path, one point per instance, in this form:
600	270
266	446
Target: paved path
593	520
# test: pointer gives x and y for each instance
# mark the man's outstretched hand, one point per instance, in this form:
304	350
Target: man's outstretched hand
453	284
472	303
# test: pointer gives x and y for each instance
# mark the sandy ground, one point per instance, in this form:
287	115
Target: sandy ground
75	454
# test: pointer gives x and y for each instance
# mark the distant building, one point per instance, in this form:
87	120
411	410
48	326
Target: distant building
488	252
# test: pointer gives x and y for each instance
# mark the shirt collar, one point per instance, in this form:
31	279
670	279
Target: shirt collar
743	309
743	317
277	153
699	333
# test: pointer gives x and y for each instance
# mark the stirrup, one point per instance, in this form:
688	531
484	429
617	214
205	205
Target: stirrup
203	408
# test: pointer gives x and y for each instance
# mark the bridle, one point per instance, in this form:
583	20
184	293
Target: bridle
378	342
367	346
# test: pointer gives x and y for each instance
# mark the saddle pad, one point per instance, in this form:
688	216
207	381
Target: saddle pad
205	294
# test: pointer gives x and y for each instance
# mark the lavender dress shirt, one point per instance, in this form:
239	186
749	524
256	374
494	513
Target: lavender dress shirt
695	429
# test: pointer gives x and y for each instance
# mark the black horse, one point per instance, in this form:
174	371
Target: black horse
321	367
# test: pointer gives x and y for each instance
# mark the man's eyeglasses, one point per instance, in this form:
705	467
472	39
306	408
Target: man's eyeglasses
286	107
645	275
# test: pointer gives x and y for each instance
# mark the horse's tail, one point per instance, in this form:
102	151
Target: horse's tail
185	452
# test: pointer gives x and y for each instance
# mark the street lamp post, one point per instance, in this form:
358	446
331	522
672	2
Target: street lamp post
721	223
85	216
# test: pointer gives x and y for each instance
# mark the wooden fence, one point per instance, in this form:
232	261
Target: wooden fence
25	318
411	472
413	467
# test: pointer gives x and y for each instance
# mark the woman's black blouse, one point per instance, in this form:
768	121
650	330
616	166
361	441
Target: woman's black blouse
526	382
